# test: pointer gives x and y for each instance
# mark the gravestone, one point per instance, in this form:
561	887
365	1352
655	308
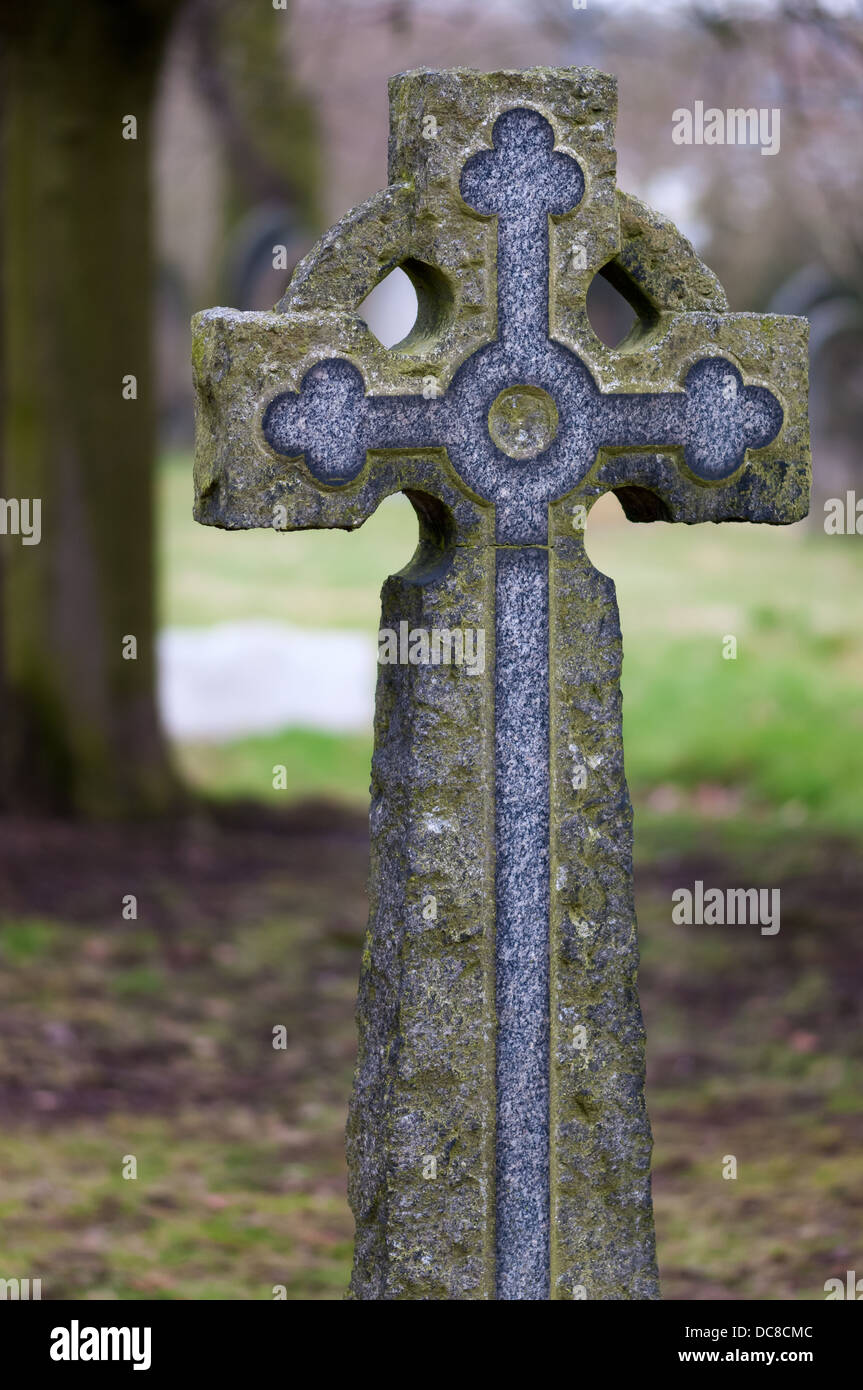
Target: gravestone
498	1140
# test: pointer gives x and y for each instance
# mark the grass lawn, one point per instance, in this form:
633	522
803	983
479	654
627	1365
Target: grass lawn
152	1040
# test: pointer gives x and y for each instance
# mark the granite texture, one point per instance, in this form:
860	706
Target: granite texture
498	1139
522	906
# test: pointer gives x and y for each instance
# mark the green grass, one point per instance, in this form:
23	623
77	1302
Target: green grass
315	763
210	1215
153	1040
309	578
25	940
775	735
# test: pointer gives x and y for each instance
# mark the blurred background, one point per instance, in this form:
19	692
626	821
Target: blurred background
164	907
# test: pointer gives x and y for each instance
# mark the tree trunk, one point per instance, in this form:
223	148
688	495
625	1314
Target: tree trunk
82	732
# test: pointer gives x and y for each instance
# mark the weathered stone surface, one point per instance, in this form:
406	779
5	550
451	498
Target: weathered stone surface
498	1140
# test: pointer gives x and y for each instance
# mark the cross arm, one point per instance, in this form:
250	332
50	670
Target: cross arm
661	479
246	367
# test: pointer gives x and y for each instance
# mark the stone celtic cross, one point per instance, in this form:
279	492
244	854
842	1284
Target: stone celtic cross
498	1140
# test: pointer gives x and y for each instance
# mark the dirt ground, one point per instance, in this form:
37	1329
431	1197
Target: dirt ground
150	1039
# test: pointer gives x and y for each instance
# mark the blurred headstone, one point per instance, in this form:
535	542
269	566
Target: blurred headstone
233	679
498	1142
262	251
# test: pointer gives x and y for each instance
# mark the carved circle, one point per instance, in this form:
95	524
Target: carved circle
523	421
